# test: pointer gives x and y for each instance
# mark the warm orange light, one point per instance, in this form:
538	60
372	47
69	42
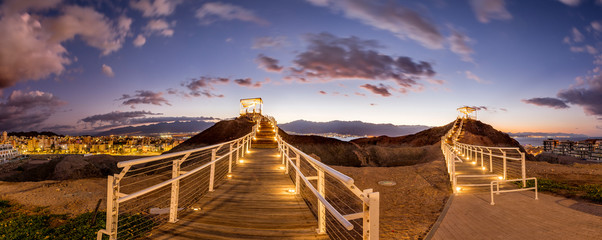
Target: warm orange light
229	175
500	178
241	161
291	190
458	189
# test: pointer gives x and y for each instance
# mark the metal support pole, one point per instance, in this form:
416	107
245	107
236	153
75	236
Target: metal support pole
481	156
112	208
504	154
374	212
490	161
175	189
230	158
523	169
212	175
237	151
297	175
321	208
288	152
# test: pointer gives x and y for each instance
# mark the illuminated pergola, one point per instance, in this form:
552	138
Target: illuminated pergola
468	112
251	105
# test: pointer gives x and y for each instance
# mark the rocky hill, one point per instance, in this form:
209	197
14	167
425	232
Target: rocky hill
222	131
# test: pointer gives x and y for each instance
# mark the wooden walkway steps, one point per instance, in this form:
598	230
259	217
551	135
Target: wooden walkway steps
253	204
518	216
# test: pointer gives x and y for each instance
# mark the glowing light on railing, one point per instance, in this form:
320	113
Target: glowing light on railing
248	151
500	177
291	190
473	163
484	168
254	138
281	167
229	175
241	161
458	189
196	209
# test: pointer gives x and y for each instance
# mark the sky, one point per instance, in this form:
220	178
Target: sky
76	66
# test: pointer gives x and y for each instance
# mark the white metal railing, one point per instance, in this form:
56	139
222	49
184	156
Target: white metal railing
498	191
337	203
507	164
151	190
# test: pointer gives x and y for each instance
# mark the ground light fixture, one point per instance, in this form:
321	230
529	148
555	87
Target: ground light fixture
500	178
483	168
229	175
291	190
458	189
281	167
473	163
241	161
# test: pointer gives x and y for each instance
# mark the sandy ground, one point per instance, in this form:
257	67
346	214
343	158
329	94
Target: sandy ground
576	173
60	197
408	209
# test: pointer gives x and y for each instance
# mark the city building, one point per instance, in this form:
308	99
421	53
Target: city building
590	149
7	153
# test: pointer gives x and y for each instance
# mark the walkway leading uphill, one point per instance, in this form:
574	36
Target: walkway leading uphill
240	189
255	203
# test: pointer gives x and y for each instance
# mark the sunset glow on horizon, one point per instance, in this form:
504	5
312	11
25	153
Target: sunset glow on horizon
75	67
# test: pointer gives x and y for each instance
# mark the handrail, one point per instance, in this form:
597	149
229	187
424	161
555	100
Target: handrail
159	157
328	206
165	183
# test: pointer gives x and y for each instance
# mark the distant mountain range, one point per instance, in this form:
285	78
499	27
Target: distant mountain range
174	127
357	128
551	135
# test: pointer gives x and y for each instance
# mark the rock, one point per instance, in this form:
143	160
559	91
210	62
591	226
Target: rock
75	167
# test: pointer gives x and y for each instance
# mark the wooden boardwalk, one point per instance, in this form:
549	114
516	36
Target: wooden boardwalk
519	216
253	204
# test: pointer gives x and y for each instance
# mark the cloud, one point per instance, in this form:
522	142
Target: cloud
459	45
139	41
591	50
107	70
155	8
330	58
32	55
323	92
27	110
577	35
597	25
35	46
159	26
93	27
169	119
485	10
248	82
547	102
115	118
572	3
269	42
380	89
144	97
203	86
389	16
473	76
215	11
588	96
268	64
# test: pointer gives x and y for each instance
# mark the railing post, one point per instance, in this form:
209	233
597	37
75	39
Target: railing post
481	156
237	150
212	175
175	190
490	160
321	208
112	207
504	154
297	175
523	169
371	214
288	152
230	158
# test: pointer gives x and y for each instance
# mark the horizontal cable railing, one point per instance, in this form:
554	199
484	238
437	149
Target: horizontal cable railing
153	190
343	211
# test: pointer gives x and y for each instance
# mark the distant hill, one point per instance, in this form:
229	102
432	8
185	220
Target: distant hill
33	134
357	128
191	126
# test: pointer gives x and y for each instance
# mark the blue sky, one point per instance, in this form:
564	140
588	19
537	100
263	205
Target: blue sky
76	66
